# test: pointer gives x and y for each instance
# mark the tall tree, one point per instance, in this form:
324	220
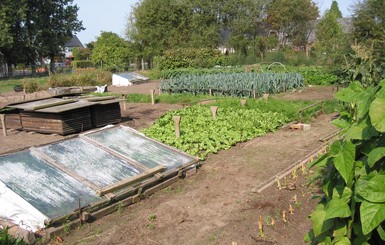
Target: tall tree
293	19
331	42
37	28
111	52
335	9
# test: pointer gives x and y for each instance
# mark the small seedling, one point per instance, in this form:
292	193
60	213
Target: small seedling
294	199
152	218
151	226
267	220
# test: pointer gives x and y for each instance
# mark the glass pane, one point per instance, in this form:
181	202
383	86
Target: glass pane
139	148
90	162
49	190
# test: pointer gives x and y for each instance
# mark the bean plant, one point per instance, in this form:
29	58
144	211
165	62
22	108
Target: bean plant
352	207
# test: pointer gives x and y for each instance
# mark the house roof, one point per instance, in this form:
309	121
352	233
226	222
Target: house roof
74	42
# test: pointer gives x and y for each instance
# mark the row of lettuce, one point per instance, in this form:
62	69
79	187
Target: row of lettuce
201	133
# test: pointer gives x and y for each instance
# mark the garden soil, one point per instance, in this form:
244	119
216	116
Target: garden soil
220	204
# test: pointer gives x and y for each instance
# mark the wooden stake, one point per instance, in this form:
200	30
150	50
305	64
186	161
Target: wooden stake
177	126
210	92
214	110
243	102
2	118
153	97
254	94
272	223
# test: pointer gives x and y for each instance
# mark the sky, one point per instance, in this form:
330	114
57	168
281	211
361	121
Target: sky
111	16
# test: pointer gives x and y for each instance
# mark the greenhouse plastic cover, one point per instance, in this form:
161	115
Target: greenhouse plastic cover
19	211
49	181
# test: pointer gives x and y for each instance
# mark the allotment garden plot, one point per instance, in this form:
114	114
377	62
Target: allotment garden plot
44	183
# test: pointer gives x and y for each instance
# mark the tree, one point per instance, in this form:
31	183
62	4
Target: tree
369	20
335	9
81	53
331	42
292	19
111	52
36	28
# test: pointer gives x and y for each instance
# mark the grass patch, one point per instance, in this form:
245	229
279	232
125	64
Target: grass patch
9	84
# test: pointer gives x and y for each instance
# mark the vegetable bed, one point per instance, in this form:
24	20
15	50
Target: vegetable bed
235	84
201	134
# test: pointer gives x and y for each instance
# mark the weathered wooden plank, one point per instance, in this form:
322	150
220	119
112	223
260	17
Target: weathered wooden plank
132	180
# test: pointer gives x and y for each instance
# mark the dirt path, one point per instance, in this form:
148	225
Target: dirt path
218	204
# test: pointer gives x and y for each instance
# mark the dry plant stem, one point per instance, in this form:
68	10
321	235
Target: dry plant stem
291	209
260	226
284	216
279	187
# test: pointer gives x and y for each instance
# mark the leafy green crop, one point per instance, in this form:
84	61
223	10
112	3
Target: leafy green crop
6	239
201	134
235	84
352	210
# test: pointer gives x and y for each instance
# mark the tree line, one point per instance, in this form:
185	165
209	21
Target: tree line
34	29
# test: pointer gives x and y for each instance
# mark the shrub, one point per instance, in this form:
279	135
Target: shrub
31	86
190	57
82	64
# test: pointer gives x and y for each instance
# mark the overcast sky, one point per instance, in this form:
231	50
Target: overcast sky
102	15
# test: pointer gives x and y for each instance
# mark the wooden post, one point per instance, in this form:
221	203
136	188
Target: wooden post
2	117
254	94
177	126
243	102
153	96
214	111
210	92
124	97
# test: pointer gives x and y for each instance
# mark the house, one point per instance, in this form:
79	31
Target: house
70	45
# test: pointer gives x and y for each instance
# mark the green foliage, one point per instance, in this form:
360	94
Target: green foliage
6	239
167	74
36	29
191	58
81	77
334	9
82	64
201	134
294	18
364	67
352	210
111	52
315	75
332	43
31	86
236	84
81	53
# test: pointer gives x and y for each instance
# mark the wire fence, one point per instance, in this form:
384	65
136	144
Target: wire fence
7	72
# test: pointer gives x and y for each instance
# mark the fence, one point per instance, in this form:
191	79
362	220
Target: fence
15	72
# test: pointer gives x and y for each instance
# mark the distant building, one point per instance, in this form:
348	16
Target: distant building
70	45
